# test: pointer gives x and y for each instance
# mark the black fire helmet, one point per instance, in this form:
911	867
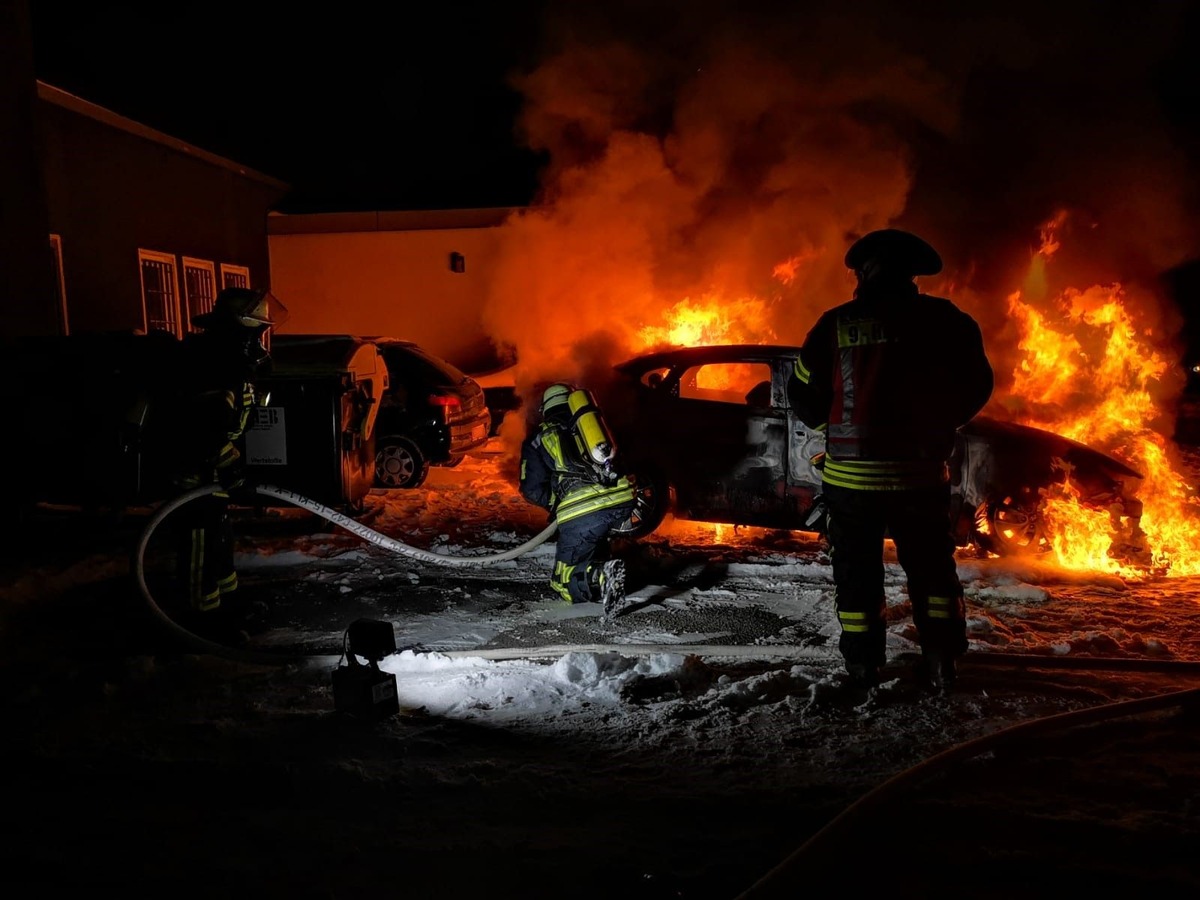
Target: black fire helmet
894	250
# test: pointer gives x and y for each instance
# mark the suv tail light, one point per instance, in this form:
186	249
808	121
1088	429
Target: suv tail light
449	405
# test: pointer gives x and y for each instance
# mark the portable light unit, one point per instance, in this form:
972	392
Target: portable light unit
364	691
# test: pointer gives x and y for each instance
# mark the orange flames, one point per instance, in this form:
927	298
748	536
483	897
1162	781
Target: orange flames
1088	373
711	320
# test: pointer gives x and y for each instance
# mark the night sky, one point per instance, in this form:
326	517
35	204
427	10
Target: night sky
356	105
359	106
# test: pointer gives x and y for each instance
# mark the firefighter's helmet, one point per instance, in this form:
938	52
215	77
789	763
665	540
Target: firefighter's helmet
554	396
892	250
244	308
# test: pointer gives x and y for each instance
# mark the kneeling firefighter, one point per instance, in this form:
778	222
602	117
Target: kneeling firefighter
567	469
215	397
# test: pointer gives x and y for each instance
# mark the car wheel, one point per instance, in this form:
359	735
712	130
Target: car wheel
652	500
1011	526
399	463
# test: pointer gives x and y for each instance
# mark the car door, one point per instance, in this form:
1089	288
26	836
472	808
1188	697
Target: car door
804	445
727	425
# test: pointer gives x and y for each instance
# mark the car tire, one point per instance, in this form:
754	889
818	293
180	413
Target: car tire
399	463
1011	525
652	495
452	462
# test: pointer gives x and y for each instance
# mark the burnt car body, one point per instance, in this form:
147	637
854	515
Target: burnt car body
708	435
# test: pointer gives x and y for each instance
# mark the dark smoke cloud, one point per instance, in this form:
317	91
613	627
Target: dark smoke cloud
693	147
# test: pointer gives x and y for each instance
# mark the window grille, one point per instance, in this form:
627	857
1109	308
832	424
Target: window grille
160	298
199	289
234	276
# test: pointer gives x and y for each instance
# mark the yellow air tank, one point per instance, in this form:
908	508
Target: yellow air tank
596	441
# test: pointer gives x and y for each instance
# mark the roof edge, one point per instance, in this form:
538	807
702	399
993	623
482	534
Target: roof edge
390	220
67	100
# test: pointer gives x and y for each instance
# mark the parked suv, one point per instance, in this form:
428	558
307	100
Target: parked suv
431	415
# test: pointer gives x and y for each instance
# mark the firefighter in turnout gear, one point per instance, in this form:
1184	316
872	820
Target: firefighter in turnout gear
567	469
215	400
891	375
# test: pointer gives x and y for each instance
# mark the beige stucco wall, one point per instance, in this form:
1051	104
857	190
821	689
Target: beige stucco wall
396	283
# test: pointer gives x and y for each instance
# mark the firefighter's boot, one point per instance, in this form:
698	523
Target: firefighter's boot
937	671
612	588
862	675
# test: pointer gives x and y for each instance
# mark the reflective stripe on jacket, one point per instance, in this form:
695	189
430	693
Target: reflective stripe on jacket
891	376
549	479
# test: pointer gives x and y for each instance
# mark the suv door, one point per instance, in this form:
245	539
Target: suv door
728	434
804	444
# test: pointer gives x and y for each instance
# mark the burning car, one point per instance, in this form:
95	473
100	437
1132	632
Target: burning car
708	436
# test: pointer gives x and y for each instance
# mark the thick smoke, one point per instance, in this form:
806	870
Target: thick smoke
694	148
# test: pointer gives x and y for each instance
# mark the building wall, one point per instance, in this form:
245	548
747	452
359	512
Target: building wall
398	283
111	191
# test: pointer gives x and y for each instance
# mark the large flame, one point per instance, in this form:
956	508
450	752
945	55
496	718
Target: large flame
710	320
1087	372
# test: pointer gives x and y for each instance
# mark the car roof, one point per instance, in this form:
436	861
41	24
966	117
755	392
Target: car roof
690	356
389	341
291	338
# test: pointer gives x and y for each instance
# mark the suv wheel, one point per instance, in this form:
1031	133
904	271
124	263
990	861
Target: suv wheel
652	497
1011	526
399	463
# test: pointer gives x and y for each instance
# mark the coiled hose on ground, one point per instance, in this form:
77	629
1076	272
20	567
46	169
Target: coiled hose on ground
204	645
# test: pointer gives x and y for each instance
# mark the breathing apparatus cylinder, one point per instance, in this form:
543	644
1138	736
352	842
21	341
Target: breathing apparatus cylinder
595	440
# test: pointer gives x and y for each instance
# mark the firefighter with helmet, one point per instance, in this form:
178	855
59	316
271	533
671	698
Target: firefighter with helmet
566	468
891	375
216	395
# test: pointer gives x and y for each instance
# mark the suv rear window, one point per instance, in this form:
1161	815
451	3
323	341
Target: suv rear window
412	361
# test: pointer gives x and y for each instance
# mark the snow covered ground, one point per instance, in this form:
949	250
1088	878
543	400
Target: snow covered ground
685	750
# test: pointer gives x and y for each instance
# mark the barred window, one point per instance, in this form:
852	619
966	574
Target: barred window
199	289
160	292
234	276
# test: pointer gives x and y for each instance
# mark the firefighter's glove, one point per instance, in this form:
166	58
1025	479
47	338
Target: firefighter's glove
243	490
232	478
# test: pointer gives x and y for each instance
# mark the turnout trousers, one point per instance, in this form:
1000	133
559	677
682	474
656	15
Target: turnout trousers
205	552
582	546
918	522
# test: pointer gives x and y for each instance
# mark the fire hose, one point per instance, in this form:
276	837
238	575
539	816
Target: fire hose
357	528
764	651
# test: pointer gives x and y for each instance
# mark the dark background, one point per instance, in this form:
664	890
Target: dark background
357	106
360	106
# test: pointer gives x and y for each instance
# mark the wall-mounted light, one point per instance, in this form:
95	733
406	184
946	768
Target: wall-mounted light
458	262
